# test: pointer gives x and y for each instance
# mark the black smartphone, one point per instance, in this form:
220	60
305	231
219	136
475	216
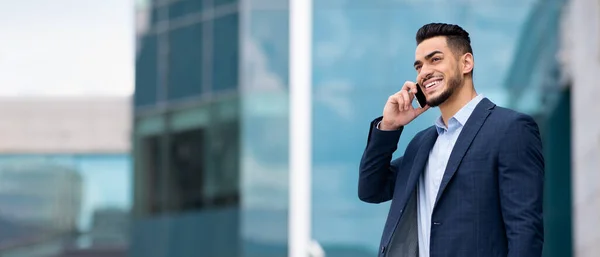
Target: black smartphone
420	97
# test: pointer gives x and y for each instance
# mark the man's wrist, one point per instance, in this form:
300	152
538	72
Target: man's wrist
379	127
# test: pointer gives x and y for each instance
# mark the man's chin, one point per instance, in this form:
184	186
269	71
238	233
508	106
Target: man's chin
435	101
432	103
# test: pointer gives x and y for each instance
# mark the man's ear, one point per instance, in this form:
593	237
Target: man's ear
467	63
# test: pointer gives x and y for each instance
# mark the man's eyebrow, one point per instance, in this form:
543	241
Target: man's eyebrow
428	56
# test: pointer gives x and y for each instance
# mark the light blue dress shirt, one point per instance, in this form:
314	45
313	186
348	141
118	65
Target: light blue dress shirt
430	180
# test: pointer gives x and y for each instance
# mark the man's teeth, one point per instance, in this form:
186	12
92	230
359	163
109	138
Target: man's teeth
432	84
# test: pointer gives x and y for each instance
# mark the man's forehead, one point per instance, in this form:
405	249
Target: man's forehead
431	45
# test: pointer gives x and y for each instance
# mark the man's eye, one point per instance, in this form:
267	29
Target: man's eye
435	59
417	67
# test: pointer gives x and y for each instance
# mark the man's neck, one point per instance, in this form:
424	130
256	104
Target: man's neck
457	101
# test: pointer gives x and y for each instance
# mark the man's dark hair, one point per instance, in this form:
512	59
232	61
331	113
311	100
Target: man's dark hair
456	37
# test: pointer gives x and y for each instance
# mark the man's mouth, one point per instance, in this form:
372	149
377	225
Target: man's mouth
430	84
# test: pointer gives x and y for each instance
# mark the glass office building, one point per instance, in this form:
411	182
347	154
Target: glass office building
64	162
211	114
187	135
69	188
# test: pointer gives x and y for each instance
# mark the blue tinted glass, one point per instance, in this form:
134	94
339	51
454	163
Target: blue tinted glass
265	174
266	50
185	61
202	233
146	72
181	8
226	52
156	15
177	9
265	136
218	3
90	193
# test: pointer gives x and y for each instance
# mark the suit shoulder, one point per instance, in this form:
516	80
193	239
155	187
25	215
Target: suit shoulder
509	116
512	122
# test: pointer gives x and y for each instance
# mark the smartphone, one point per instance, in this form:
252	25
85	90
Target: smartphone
420	97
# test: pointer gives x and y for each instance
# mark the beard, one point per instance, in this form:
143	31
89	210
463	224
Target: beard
453	84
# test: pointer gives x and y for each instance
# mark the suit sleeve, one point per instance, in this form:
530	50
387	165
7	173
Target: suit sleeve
521	179
377	171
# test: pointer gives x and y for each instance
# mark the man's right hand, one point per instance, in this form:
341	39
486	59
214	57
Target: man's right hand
398	110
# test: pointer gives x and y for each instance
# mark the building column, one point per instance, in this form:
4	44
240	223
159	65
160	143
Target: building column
581	58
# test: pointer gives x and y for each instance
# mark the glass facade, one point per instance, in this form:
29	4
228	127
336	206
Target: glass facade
187	131
265	136
211	129
58	202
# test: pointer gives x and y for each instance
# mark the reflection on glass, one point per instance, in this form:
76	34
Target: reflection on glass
187	168
225	52
265	137
63	203
146	71
185	61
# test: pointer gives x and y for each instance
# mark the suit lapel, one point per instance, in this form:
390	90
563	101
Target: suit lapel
421	159
468	133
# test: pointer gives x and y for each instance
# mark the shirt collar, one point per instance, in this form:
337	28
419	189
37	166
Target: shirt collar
460	118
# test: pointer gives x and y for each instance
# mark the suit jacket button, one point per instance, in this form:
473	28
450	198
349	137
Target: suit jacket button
382	249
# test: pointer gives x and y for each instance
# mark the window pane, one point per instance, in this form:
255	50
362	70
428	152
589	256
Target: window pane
146	72
185	61
218	3
226	52
222	178
187	169
182	8
151	163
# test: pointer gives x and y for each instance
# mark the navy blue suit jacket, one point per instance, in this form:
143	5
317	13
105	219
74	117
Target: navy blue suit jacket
490	199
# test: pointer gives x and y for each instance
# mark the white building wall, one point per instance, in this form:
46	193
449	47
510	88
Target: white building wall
65	125
581	55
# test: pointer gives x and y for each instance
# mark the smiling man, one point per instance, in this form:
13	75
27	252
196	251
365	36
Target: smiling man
471	184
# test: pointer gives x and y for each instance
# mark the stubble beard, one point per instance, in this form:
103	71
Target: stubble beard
454	83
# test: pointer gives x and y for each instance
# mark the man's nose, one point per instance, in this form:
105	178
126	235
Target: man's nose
424	73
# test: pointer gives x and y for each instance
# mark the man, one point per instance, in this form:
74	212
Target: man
472	184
